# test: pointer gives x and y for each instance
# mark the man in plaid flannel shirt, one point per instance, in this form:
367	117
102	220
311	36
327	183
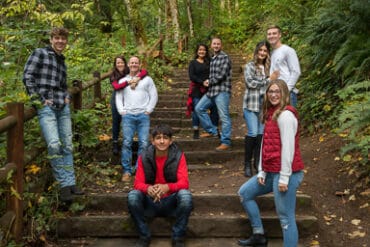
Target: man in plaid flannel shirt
219	92
45	79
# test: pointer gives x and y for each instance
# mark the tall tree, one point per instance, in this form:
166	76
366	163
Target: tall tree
190	18
174	19
136	22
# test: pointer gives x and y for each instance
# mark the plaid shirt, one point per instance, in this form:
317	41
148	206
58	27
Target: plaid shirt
45	77
255	87
220	75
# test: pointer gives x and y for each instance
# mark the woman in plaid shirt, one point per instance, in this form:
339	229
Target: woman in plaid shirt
256	74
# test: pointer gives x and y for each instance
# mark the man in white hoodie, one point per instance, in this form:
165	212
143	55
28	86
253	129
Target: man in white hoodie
135	103
285	60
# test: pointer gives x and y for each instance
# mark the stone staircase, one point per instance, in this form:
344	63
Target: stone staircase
218	219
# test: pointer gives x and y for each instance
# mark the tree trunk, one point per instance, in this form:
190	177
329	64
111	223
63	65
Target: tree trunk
174	12
190	18
136	23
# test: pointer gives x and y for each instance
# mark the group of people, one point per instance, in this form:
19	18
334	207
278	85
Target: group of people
161	184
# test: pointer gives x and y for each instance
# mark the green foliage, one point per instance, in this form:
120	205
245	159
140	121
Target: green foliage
354	119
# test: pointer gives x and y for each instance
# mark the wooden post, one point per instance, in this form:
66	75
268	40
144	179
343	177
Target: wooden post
77	98
15	154
97	87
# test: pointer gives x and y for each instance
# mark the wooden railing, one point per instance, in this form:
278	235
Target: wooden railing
11	224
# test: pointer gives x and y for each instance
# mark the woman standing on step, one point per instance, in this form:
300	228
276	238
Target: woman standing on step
120	70
280	170
256	75
198	74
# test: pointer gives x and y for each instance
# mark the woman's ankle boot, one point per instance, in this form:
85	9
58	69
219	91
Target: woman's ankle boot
196	134
257	240
249	144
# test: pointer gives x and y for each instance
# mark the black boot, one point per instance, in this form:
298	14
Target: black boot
65	194
249	143
257	151
76	191
115	148
256	240
196	134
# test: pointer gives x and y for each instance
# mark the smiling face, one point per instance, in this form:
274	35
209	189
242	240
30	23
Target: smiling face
58	43
273	37
274	95
216	45
120	64
262	54
201	52
161	143
134	65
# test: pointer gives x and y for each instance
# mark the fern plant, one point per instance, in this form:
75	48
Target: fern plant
354	119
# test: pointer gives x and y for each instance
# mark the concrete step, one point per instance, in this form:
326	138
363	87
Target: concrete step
161	242
205	143
173	122
213	156
204	204
199	226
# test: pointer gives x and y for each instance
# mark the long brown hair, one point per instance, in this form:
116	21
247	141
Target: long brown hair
267	61
115	73
284	100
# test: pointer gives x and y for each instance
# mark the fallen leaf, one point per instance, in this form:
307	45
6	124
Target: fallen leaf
364	206
356	234
327	218
355	222
315	243
365	193
352	198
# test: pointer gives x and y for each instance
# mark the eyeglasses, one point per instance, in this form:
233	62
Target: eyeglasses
271	92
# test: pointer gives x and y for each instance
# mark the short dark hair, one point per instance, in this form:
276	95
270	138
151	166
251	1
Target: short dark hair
273	27
163	129
62	31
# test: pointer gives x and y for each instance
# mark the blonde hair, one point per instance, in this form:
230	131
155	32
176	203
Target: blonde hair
284	100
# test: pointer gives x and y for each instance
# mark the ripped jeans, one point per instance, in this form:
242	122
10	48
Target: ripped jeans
285	203
56	128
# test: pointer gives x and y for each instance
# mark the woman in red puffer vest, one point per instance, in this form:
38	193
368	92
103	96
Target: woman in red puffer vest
280	169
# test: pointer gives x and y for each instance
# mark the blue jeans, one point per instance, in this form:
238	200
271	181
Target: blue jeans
116	118
178	205
213	114
254	124
285	203
131	124
222	101
56	127
293	99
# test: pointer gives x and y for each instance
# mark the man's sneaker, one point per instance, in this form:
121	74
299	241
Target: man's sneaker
126	177
208	135
223	147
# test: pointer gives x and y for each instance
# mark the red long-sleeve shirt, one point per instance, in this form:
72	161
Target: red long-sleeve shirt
182	176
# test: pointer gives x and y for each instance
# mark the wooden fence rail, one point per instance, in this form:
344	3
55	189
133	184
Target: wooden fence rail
11	224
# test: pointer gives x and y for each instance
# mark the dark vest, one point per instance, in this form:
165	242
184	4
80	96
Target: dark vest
170	166
271	149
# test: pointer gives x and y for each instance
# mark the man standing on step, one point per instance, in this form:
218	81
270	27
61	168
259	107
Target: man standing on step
161	187
45	78
219	92
135	103
285	60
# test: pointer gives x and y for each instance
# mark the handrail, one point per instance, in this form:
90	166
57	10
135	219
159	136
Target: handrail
13	124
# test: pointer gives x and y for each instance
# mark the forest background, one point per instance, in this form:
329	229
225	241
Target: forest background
330	37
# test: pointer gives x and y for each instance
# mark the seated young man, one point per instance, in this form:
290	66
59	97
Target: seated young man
161	187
